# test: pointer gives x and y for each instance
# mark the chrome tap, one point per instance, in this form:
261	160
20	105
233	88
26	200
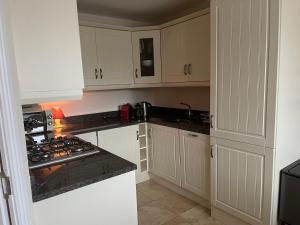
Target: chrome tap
190	109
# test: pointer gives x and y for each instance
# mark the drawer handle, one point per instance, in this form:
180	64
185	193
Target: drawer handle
185	69
193	135
136	73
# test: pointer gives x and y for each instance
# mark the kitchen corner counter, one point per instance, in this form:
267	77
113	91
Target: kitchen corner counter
57	179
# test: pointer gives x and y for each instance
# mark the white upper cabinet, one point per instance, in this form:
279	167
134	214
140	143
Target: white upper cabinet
146	56
47	50
195	163
174	66
106	56
186	51
239	76
89	55
114	50
197	34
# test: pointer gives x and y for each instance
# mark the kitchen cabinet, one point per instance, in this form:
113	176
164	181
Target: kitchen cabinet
89	137
122	142
164	153
89	55
240	179
46	41
243	109
107	56
195	163
186	51
239	82
146	56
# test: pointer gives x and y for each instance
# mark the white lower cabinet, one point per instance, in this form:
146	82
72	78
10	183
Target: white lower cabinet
89	137
122	142
164	153
241	175
195	163
181	157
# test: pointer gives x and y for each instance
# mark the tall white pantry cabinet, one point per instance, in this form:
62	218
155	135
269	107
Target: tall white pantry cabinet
255	105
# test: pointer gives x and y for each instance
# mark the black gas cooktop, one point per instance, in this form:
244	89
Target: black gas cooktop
52	150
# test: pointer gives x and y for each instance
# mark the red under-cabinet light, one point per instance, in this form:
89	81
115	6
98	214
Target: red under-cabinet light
57	116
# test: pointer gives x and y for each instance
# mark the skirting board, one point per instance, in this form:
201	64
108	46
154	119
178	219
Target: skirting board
201	201
142	177
225	218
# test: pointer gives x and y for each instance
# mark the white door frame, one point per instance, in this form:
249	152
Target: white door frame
12	138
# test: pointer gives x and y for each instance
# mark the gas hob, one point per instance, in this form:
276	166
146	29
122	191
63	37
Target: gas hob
56	150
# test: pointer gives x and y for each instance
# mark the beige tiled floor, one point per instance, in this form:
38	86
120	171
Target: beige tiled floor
158	205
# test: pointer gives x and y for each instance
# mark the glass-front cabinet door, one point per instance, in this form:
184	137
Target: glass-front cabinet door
146	55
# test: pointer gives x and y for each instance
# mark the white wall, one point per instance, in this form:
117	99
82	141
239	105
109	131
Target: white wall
288	116
102	101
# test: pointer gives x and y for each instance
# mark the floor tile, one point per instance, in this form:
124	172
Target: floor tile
196	214
154	214
158	205
177	204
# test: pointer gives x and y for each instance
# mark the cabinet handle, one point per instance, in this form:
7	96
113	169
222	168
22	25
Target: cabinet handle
185	69
136	73
193	135
101	74
211	152
96	73
137	135
211	121
190	69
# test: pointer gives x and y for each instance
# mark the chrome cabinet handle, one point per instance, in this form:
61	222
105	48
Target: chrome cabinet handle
193	135
211	121
96	73
190	69
211	152
136	73
101	74
185	69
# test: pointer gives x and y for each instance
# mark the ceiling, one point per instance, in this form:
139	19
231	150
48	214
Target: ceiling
150	11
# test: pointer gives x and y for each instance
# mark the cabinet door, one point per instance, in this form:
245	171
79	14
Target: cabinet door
46	40
146	56
114	50
195	162
242	180
89	55
89	137
164	153
239	70
121	142
174	65
197	39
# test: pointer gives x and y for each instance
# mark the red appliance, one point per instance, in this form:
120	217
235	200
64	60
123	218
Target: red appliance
126	111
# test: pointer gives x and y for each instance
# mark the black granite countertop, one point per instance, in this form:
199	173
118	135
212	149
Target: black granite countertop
58	179
170	117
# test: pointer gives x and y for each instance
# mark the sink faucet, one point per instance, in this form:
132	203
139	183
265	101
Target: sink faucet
189	107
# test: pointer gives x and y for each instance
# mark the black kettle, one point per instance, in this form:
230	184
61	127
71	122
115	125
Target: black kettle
143	110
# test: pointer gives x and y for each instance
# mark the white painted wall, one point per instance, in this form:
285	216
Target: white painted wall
288	117
102	101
